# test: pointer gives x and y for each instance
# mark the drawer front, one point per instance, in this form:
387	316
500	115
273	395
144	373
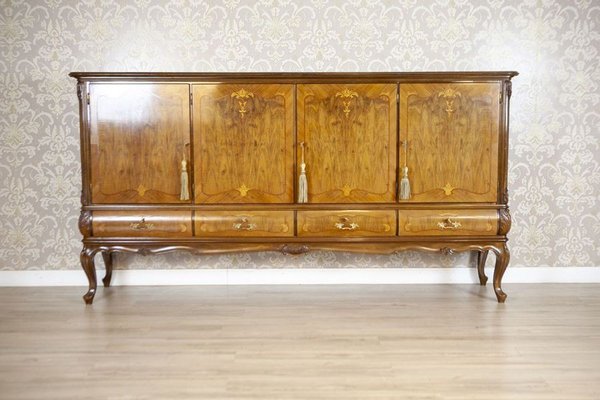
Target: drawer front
142	223
244	223
347	223
447	222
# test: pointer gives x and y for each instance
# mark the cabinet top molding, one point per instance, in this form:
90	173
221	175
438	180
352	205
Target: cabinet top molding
300	77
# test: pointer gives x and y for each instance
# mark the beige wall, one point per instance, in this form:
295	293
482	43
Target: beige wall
554	178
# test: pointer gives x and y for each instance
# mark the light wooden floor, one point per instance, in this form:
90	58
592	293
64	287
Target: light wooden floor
309	342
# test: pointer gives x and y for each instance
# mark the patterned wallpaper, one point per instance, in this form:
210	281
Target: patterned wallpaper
554	177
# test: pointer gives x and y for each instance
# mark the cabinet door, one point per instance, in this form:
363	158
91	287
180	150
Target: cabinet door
349	133
451	136
243	143
138	135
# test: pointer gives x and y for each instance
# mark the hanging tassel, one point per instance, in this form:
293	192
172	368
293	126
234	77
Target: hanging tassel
302	182
404	185
404	182
185	192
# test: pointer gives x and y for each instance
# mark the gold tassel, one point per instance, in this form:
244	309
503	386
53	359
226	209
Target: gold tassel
302	182
404	185
404	182
185	192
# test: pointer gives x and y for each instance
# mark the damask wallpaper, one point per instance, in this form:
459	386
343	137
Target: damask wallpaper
554	177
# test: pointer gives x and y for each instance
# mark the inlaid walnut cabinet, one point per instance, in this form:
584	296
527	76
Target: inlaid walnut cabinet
212	162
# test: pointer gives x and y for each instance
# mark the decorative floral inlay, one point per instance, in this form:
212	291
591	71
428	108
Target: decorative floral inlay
242	96
349	95
141	190
243	190
347	189
449	95
448	189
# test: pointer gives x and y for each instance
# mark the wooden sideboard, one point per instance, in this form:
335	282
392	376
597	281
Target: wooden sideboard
211	163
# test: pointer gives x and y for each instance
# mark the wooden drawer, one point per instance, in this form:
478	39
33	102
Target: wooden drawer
142	223
244	223
347	223
447	222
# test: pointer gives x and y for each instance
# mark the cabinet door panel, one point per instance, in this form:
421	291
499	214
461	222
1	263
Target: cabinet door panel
243	143
451	132
138	135
350	141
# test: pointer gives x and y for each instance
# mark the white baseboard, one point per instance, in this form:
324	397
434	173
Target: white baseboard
301	276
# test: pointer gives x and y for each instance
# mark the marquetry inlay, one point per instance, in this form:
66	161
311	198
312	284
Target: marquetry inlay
448	189
348	95
449	95
141	189
347	189
243	190
242	96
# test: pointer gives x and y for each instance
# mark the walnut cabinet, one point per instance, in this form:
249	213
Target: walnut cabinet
294	162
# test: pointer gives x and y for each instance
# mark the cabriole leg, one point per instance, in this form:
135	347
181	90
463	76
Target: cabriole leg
87	263
481	258
107	256
502	258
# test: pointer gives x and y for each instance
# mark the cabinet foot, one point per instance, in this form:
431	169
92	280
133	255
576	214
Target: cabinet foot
502	258
87	263
108	264
481	259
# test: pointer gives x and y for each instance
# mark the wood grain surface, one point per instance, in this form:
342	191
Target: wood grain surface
142	223
138	137
451	131
349	131
447	222
357	223
450	342
244	223
244	143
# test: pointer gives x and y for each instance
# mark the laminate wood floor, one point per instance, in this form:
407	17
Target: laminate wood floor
301	342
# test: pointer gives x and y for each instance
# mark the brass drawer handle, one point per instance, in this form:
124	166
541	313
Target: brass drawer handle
141	226
346	225
449	223
244	225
